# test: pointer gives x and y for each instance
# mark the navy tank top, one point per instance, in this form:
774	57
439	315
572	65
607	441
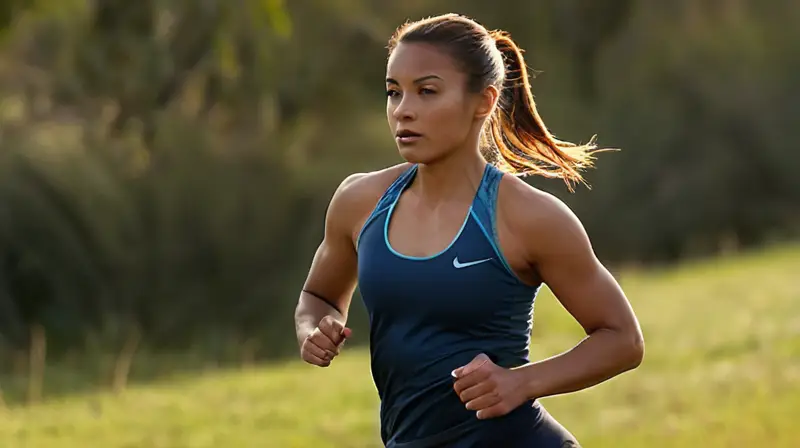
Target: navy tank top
430	315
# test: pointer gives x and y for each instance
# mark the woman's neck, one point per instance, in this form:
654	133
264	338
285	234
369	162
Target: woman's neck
453	178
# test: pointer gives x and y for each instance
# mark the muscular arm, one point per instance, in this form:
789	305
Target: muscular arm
331	280
556	244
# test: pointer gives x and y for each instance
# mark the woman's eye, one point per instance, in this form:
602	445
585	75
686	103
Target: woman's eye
427	91
391	93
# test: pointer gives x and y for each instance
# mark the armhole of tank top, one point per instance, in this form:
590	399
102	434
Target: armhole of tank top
372	217
488	198
385	202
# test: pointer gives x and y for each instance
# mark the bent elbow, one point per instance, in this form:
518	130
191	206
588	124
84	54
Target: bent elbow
634	348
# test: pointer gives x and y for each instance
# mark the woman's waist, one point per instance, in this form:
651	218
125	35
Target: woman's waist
420	401
437	422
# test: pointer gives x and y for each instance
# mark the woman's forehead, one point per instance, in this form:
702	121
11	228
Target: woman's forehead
411	61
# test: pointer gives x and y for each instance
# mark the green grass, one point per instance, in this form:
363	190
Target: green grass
722	370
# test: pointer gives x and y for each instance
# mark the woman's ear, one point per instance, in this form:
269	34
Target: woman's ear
487	101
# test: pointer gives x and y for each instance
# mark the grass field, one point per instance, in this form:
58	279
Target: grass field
722	369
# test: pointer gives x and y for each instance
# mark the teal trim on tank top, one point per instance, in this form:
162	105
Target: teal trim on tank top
486	195
430	257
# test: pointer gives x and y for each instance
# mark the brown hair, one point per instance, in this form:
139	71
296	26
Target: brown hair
516	139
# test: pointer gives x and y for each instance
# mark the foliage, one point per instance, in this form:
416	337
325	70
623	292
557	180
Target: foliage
165	165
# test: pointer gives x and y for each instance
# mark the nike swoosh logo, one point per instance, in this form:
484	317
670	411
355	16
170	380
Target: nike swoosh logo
458	265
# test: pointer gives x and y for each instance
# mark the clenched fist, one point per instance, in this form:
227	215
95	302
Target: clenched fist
323	344
487	388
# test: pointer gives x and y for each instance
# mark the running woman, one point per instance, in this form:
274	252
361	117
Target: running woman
450	249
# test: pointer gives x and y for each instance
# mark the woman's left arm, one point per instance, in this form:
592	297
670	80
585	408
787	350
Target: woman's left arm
557	246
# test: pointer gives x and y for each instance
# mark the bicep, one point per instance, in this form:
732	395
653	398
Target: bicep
567	264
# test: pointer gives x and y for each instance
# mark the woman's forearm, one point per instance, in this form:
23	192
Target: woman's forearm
309	312
598	357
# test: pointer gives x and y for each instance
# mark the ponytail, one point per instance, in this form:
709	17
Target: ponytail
519	142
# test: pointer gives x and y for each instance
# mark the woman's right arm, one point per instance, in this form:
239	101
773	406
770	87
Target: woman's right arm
322	308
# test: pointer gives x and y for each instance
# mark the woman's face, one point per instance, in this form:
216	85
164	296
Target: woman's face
429	110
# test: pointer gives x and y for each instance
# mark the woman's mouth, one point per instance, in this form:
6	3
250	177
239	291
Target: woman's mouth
406	136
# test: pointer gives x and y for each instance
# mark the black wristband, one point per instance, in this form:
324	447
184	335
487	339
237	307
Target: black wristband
313	294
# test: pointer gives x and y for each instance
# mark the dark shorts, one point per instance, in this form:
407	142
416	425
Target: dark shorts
529	427
545	432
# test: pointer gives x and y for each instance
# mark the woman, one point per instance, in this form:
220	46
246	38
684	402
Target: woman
450	248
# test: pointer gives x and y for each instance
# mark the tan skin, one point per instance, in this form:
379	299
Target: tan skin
538	235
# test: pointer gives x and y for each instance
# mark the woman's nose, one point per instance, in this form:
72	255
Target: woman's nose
405	110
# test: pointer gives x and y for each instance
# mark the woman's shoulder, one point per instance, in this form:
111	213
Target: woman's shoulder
536	218
529	202
359	193
368	187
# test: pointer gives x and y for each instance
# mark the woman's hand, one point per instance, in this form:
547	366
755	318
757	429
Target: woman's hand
323	344
489	389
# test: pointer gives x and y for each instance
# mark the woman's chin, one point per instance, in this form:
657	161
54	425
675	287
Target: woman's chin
416	154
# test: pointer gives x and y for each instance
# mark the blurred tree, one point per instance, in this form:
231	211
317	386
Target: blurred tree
166	164
586	27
